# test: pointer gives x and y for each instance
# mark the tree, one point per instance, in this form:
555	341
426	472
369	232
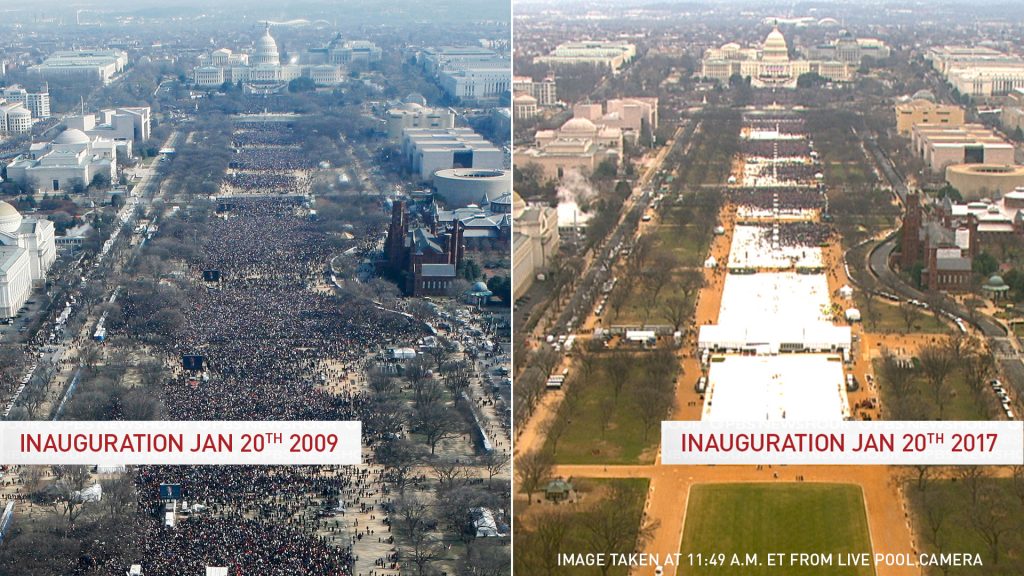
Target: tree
495	462
676	310
456	377
991	519
972	477
618	366
606	410
533	468
399	457
448	472
936	510
301	84
552	530
985	264
71	480
810	80
652	401
554	429
937	364
436	422
482	560
119	496
908	313
612	525
428	393
1018	483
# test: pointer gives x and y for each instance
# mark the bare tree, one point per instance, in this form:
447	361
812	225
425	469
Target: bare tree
554	429
456	377
483	560
1018	483
399	458
936	511
613	523
606	410
552	530
618	365
119	496
71	481
991	519
381	383
532	469
676	310
908	313
436	422
652	401
448	472
937	363
972	477
495	463
661	273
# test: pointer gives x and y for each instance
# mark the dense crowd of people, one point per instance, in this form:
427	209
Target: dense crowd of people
775	148
272	343
781	197
262	133
791	171
268	182
273	159
263	332
797	234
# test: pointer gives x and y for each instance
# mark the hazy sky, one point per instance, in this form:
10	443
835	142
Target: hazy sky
427	9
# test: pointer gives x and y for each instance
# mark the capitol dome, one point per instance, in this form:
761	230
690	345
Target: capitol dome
10	218
71	136
266	50
579	125
775	47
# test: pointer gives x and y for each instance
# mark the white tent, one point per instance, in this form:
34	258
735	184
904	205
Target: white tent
641	335
93	493
110	469
486	526
711	262
846	292
216	571
853	315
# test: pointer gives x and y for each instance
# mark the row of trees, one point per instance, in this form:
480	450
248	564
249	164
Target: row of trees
924	389
969	509
429	401
79	534
613	523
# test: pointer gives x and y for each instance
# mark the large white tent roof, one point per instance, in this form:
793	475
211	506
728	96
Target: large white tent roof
794	387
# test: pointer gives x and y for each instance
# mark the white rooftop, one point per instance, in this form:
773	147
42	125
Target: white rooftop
755	247
797	387
768	299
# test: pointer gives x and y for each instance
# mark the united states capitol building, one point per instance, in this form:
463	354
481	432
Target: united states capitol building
768	66
262	67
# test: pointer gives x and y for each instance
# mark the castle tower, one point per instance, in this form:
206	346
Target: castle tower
910	242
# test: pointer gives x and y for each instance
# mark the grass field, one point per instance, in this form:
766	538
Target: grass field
776	518
586	440
961	404
883	317
543	531
689	246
